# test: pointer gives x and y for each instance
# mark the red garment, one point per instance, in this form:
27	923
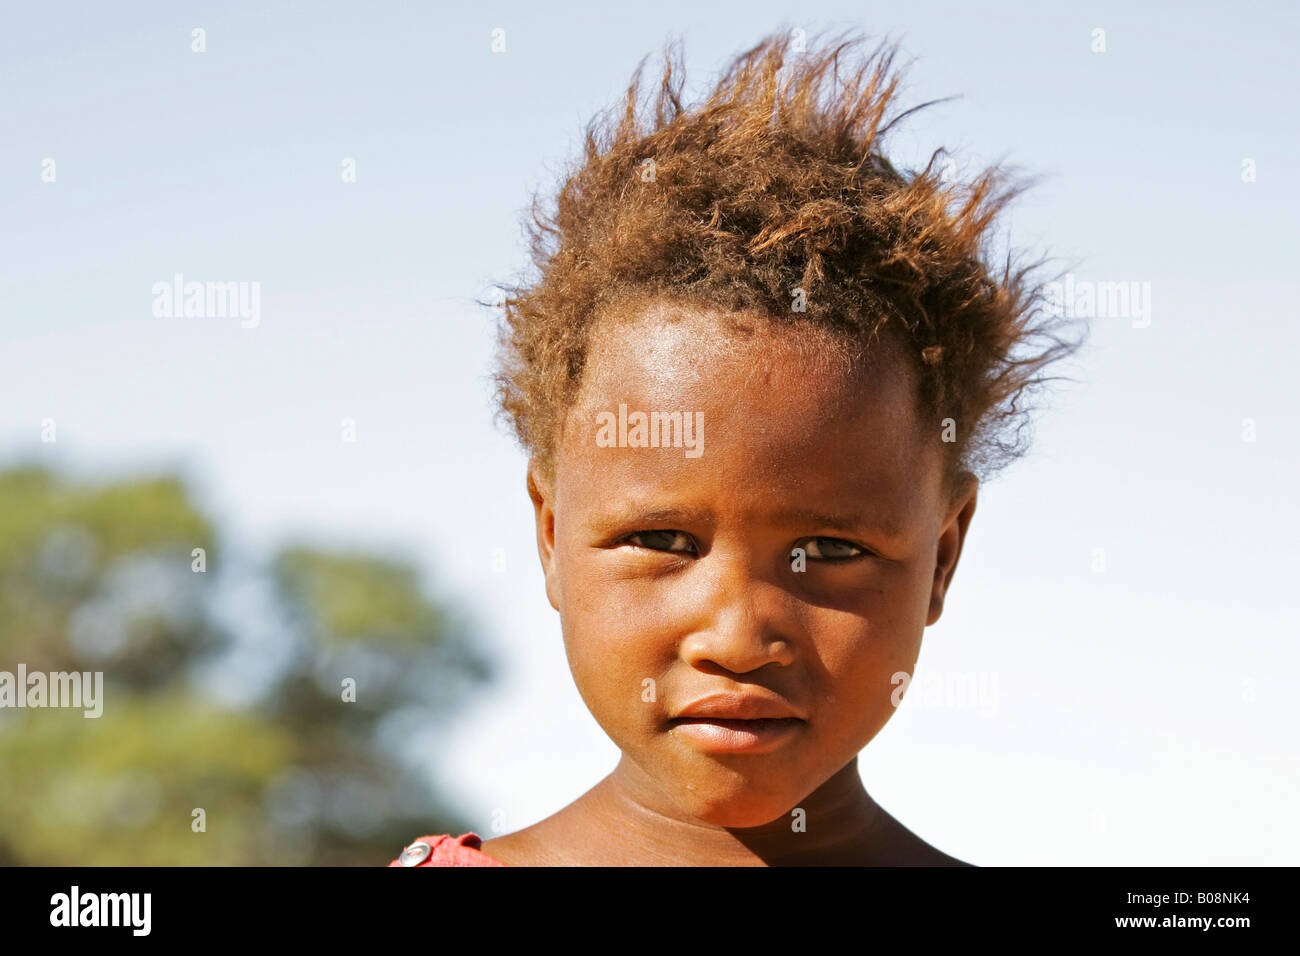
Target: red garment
449	851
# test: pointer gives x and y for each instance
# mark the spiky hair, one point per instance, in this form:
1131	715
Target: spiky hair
776	182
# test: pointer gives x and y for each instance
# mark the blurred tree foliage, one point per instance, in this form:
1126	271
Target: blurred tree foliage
289	699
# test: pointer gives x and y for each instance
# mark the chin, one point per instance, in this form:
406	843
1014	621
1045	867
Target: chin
734	807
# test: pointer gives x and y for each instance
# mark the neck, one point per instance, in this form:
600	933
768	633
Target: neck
630	820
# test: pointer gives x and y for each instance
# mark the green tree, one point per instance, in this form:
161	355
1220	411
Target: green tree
284	703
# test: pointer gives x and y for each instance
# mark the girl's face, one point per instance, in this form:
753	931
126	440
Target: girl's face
790	567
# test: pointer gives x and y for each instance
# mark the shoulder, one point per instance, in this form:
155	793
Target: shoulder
446	850
920	853
522	848
939	858
899	846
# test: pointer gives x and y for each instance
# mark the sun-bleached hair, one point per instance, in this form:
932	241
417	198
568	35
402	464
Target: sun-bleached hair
773	195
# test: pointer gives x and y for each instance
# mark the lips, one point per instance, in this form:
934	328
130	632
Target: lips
714	735
737	723
734	707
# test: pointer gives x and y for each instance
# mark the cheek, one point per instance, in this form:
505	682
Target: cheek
616	640
861	652
614	609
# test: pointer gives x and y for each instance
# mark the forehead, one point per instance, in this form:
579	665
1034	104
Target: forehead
675	350
789	419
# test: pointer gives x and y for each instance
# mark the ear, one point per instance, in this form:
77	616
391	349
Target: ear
543	496
951	537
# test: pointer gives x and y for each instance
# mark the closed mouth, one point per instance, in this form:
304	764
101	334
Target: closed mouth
755	724
723	735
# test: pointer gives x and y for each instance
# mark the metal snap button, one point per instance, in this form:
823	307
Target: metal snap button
415	854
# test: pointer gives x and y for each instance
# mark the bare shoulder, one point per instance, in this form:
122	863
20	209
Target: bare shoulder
935	857
902	847
532	846
562	839
511	849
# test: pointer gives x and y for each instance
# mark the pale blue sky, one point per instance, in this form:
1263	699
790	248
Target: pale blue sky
1140	710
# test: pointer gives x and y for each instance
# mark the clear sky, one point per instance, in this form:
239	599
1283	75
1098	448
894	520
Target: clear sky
1140	714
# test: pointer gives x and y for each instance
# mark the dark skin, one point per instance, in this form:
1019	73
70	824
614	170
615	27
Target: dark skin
676	573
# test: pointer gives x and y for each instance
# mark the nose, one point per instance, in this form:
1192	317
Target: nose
744	620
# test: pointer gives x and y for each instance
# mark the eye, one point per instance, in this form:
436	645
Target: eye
831	549
675	541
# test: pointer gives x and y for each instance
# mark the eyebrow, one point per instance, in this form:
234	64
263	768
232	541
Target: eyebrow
849	522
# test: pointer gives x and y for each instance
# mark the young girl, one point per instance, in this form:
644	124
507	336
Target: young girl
760	376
